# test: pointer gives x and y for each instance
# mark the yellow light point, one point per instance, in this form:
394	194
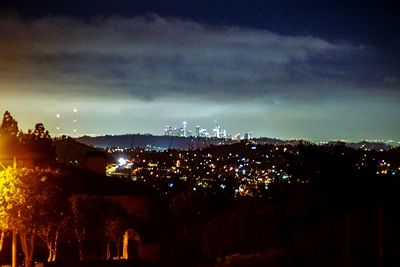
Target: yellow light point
75	110
58	115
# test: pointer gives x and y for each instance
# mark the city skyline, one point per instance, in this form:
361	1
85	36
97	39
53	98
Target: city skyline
282	70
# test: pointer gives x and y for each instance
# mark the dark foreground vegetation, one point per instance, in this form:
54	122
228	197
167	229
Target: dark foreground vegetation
334	206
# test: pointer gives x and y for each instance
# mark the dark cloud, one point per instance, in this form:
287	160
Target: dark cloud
150	56
154	71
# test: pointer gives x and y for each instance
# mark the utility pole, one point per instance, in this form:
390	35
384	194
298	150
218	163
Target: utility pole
14	248
381	233
14	235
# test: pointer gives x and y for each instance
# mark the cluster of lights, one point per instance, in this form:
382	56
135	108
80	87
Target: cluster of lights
242	175
249	172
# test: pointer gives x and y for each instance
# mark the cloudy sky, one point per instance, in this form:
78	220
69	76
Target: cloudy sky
282	69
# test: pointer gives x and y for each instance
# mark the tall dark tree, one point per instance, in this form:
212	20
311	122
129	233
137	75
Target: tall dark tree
9	135
9	126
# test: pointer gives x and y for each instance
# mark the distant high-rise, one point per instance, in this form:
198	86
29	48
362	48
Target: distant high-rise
216	130
168	130
247	136
203	133
185	132
237	137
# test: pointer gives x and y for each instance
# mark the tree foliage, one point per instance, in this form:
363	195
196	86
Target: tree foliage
27	198
37	141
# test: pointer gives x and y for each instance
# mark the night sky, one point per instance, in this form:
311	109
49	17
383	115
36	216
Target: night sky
318	70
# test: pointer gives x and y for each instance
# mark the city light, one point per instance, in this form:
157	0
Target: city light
122	161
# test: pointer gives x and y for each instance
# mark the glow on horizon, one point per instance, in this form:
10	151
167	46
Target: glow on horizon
123	116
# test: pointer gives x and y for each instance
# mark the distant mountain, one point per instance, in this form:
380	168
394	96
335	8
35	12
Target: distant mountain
154	142
369	145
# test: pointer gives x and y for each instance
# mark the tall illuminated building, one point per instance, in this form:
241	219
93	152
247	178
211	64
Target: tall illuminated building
224	134
216	130
168	130
185	134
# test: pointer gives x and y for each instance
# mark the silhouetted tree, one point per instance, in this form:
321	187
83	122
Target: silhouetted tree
39	142
9	126
9	134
